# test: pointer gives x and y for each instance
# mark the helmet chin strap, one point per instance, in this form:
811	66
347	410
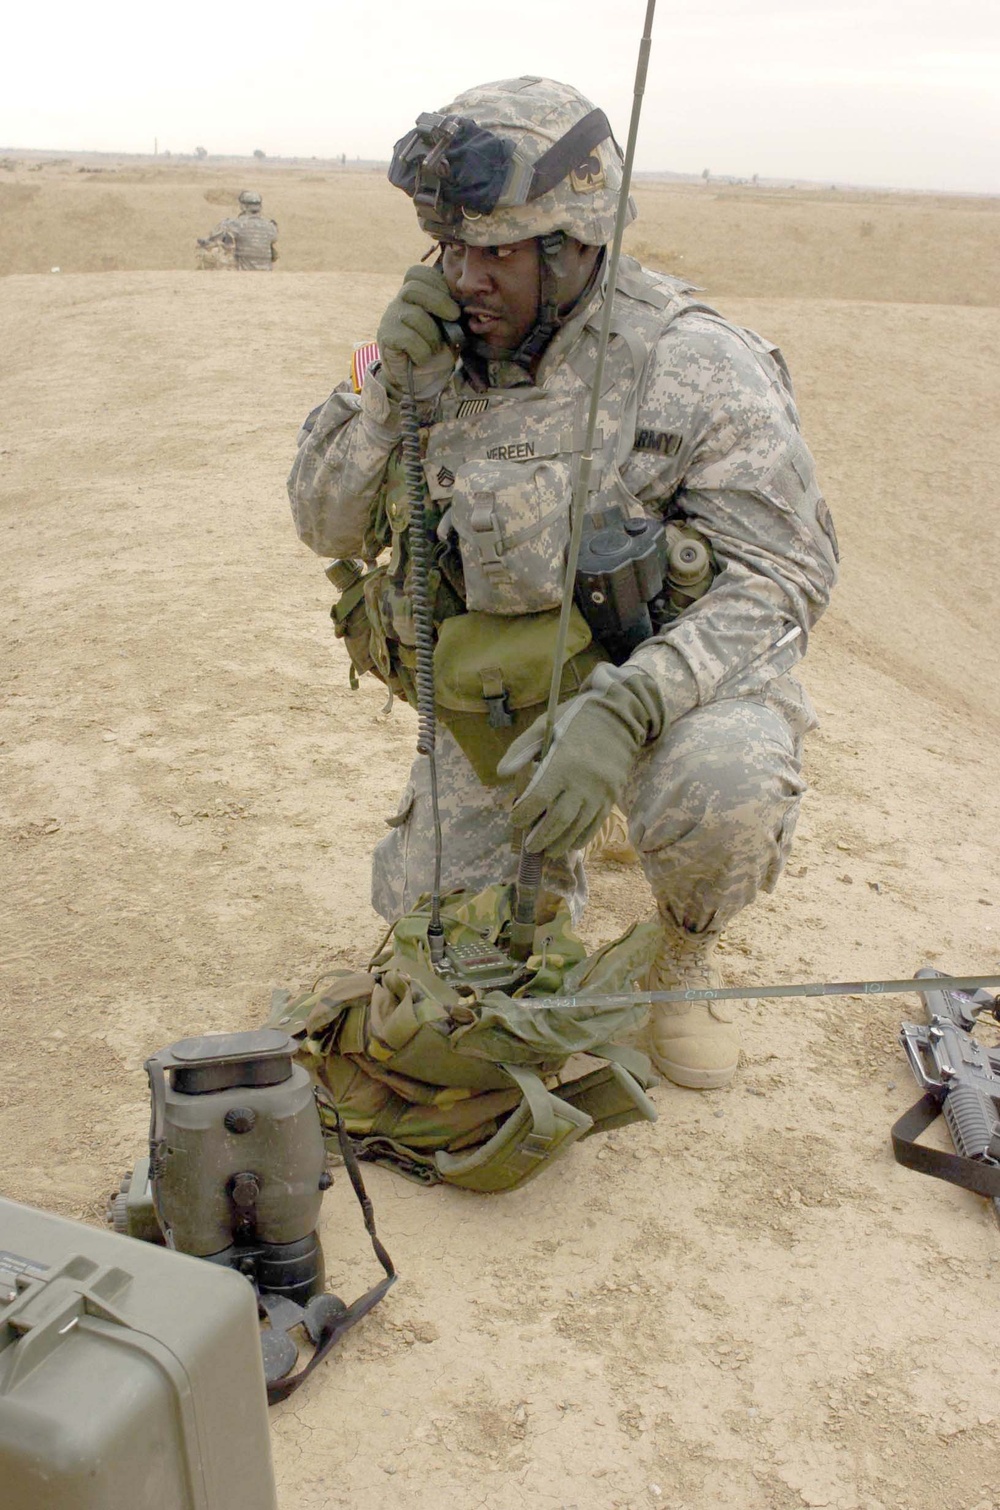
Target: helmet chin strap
551	275
553	311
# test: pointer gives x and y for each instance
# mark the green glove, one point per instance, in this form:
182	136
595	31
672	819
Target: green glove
595	743
411	329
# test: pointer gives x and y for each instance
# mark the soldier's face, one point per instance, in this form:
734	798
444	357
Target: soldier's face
498	288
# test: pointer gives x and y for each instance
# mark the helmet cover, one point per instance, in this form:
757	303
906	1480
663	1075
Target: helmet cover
489	169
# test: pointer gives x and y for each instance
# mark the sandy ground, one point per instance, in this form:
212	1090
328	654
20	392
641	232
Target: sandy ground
747	1304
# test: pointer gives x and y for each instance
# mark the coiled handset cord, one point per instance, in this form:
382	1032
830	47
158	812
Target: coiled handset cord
423	624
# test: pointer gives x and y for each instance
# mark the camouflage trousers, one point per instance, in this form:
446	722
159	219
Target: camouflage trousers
711	808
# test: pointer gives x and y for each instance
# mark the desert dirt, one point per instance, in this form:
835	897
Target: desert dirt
746	1304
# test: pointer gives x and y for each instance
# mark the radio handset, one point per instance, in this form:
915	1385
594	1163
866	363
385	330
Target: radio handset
454	334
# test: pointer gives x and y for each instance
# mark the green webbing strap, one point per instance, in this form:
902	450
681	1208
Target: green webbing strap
535	1132
614	1094
633	1060
379	1149
540	1103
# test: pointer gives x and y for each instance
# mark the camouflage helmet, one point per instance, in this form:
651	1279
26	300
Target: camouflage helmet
250	197
511	160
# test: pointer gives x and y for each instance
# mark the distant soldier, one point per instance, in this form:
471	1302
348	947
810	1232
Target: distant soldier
246	243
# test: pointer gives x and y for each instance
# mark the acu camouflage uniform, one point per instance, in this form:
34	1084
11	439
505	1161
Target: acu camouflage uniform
252	237
697	425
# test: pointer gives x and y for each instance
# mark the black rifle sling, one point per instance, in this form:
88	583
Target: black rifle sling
280	1389
971	1174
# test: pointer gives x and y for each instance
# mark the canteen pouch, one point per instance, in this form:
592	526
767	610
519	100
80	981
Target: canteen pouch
394	662
492	675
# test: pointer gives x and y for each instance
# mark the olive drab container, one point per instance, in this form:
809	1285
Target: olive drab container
131	1377
237	1165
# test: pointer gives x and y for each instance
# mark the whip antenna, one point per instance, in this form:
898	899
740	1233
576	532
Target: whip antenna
603	999
529	873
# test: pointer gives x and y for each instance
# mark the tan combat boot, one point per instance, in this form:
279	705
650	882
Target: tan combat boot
693	1043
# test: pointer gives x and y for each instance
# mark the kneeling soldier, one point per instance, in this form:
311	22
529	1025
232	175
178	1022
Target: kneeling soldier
696	731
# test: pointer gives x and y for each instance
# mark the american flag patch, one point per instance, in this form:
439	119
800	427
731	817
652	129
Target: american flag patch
471	406
366	354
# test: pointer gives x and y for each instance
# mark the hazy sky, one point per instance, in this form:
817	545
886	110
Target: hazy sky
895	92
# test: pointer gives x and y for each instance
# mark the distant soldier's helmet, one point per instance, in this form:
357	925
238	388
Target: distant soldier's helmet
250	197
512	160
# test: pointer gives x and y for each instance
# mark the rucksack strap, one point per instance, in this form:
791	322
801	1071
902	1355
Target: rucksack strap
614	1094
542	1127
391	1154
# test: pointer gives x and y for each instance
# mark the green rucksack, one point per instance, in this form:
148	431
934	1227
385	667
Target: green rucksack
450	1081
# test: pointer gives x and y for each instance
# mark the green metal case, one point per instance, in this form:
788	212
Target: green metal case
130	1376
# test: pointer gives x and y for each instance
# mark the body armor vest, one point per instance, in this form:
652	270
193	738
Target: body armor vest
501	466
254	236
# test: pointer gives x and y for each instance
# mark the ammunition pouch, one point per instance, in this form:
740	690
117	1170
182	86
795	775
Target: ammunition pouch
492	676
374	617
350	617
364	618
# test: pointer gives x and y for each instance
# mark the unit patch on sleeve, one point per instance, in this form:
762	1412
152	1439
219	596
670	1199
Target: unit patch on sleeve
658	441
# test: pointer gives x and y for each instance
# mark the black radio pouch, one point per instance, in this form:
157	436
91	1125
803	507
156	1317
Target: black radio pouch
634	575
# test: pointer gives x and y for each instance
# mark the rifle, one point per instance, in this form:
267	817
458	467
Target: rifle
961	1083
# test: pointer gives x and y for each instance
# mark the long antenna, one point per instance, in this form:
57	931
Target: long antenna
529	872
597	999
582	487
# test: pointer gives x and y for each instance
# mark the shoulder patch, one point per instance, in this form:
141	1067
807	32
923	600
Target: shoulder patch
657	441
